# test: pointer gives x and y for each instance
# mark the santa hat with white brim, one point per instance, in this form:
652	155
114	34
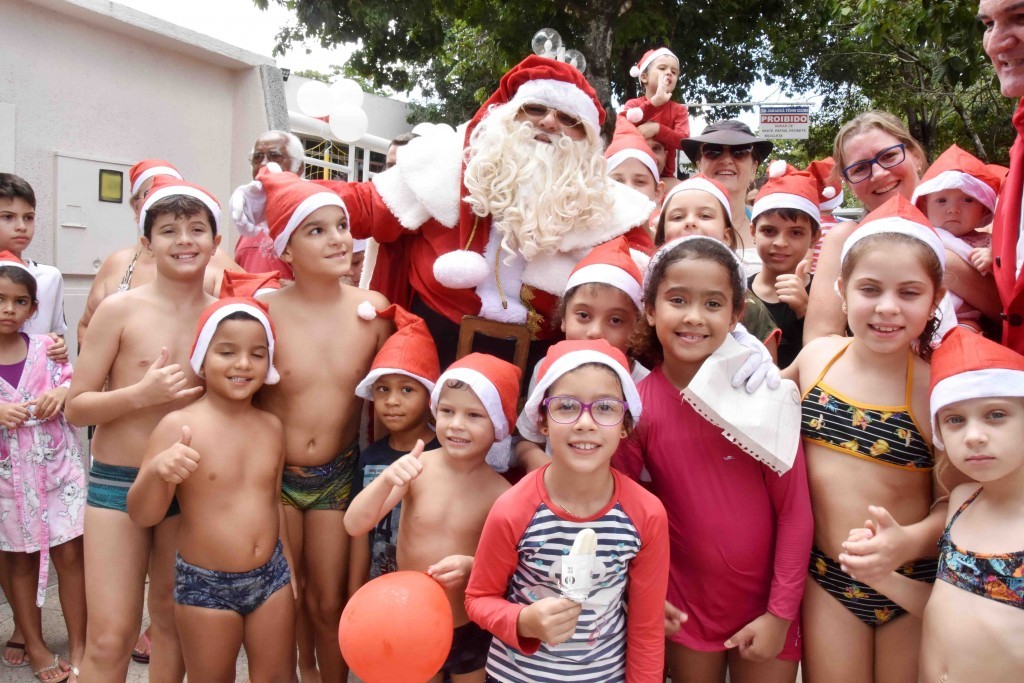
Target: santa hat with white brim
830	189
496	383
704	184
666	248
628	143
611	263
640	67
150	168
787	188
215	314
897	216
966	366
168	186
410	351
7	258
957	169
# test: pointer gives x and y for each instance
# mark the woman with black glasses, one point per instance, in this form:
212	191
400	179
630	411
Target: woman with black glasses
878	159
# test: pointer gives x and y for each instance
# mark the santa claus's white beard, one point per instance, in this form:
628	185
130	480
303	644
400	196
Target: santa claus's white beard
535	191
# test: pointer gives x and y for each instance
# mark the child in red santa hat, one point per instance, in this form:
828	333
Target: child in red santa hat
655	114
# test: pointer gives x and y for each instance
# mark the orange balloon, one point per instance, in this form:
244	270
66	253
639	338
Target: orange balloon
397	629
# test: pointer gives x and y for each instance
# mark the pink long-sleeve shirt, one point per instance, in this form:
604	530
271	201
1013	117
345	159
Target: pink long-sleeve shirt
673	121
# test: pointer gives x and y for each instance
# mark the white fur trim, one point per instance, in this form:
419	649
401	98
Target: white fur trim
646	159
302	212
366	311
460	269
17	264
900	226
369	263
570	362
642	67
511	272
957	180
703	185
833	203
152	172
550	272
365	388
629	210
210	328
431	166
172	190
358	246
669	246
399	198
829	192
634	71
642	260
997	382
484	390
561	95
782	200
607	274
635	114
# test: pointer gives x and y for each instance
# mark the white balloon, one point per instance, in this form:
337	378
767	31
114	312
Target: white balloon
314	99
425	128
348	123
346	91
546	42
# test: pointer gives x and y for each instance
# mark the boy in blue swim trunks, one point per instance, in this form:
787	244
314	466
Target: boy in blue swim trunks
223	459
324	349
131	373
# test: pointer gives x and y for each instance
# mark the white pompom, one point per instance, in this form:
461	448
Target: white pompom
499	456
460	269
634	115
273	377
829	192
777	169
634	71
366	311
642	260
274	167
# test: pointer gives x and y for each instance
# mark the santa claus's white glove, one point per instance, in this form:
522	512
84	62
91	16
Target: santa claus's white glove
758	368
248	206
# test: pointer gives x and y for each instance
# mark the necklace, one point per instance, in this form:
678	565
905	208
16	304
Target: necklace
567	510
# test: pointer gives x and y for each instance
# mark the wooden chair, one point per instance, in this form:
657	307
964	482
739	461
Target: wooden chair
474	325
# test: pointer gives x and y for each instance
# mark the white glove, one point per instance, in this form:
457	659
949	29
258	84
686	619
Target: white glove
759	367
248	206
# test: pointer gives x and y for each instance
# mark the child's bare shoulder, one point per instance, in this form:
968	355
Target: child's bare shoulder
958	495
815	354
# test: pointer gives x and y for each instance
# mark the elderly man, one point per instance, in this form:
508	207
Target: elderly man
1004	44
256	253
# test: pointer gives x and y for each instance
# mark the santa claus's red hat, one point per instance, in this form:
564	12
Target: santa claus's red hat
150	168
496	383
637	70
168	186
611	263
289	201
410	351
703	184
899	216
566	356
966	365
214	315
628	143
238	283
788	188
957	169
9	259
830	185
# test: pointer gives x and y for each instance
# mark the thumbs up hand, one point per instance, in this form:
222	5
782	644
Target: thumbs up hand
164	383
402	471
177	463
792	288
872	553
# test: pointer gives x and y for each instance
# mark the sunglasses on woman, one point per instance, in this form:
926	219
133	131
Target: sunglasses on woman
715	152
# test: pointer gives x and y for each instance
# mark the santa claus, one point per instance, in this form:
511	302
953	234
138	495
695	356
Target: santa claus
491	221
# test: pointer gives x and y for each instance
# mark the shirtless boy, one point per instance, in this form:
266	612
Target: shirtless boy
222	458
132	373
474	402
324	349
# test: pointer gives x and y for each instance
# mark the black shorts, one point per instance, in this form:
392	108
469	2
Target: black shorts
470	645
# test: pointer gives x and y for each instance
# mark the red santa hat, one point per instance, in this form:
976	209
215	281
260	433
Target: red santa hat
496	383
899	216
830	185
9	259
566	356
957	169
966	365
788	188
150	168
637	70
703	184
289	201
410	351
238	283
611	263
628	143
168	186
214	315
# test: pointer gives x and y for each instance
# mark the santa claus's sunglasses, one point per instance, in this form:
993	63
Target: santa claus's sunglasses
535	112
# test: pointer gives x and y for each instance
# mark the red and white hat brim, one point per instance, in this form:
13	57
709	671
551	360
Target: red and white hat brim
644	63
783	200
607	274
957	180
174	190
994	383
622	155
561	95
899	226
210	329
365	388
302	212
570	362
703	185
834	203
152	172
484	390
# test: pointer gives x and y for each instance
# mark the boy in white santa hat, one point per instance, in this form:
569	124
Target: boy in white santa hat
132	373
232	569
448	492
324	350
655	114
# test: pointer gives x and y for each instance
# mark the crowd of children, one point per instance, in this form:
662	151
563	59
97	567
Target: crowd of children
649	526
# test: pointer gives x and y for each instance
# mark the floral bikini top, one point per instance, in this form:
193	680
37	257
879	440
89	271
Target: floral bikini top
885	434
998	577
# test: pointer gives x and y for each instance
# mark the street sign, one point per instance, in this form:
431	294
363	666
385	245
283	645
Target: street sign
784	123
